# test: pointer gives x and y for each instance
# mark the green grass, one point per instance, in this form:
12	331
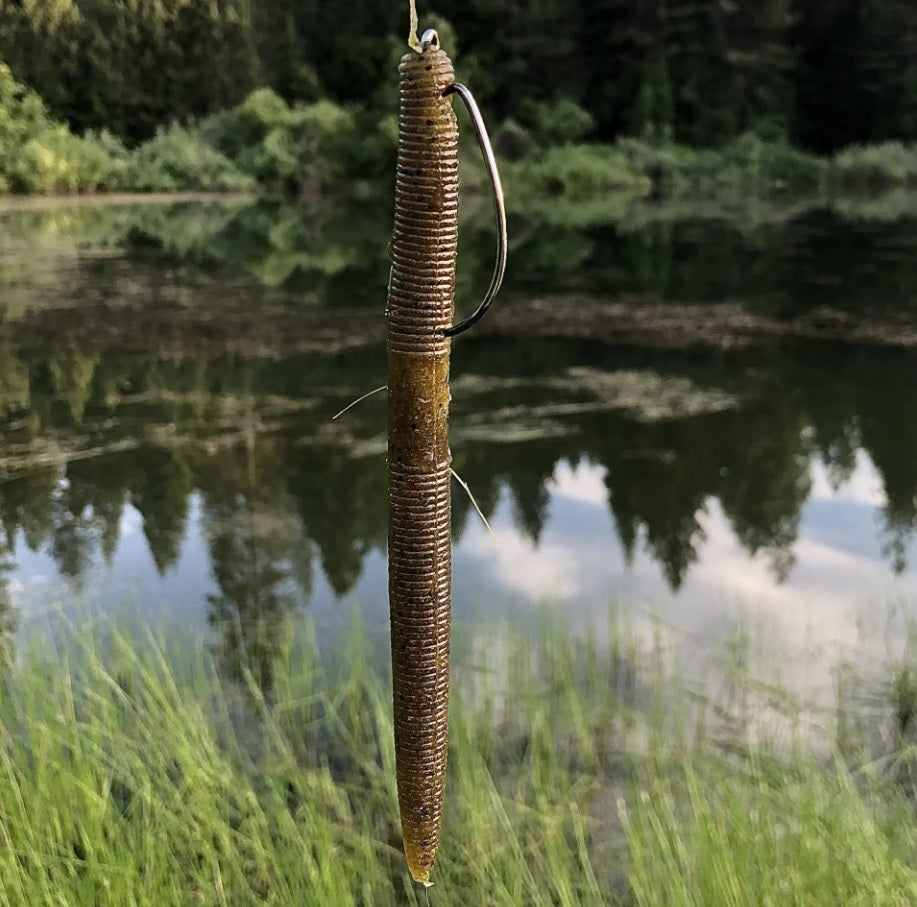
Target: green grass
807	836
134	774
866	169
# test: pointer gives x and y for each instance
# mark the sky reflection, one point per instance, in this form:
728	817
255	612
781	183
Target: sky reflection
834	600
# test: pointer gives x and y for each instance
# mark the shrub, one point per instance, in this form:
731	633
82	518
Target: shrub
767	166
665	166
576	184
867	168
559	122
582	170
512	141
287	148
748	165
57	161
179	159
40	155
22	112
234	131
311	143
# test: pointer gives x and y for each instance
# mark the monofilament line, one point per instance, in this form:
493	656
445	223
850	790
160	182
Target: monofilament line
413	41
359	400
464	485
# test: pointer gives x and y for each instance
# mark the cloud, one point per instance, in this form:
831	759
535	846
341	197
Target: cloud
583	483
863	487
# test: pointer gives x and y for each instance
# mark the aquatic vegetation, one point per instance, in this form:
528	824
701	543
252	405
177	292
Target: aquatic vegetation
136	771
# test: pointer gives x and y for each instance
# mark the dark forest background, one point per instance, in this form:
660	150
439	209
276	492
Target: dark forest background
821	73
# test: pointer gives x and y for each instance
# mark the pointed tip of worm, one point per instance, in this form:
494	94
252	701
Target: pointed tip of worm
419	865
420	874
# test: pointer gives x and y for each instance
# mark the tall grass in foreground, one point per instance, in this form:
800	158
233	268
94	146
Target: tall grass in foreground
129	775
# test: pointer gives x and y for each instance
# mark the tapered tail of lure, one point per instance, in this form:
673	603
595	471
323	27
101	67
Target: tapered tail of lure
420	315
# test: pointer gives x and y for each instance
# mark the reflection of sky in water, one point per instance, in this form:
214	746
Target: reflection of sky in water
839	585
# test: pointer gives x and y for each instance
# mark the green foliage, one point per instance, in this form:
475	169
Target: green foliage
233	132
300	145
578	171
22	113
745	166
653	114
559	122
695	72
178	159
772	167
156	772
39	155
58	161
289	148
512	141
871	168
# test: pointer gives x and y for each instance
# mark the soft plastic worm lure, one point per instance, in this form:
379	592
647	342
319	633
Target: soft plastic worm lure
419	314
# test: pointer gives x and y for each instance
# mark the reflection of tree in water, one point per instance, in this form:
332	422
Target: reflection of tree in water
660	493
838	439
26	503
889	433
161	491
488	467
156	427
74	532
71	371
768	479
14	378
261	562
341	501
8	615
102	483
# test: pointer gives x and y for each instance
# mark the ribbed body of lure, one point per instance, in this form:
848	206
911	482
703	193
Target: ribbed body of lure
419	311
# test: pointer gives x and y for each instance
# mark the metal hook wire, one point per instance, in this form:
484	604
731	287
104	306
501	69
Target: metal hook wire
491	163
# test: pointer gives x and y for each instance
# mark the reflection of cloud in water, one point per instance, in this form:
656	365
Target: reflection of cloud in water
130	583
577	565
815	614
864	486
131	522
521	567
580	484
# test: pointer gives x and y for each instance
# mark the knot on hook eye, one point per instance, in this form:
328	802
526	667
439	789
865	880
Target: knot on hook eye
490	162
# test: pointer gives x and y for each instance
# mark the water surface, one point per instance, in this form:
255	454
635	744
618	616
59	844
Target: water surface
169	373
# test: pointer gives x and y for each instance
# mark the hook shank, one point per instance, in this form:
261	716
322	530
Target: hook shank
490	162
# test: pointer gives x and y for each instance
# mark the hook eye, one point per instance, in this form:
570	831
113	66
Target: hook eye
497	190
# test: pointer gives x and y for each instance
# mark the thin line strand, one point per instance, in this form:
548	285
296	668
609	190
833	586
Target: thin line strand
359	400
464	485
413	41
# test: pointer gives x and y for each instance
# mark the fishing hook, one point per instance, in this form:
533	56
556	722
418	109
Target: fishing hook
490	162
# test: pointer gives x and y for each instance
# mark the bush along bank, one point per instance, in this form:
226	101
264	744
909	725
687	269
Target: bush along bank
263	143
266	144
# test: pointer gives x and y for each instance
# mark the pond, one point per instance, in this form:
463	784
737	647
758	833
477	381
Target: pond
681	417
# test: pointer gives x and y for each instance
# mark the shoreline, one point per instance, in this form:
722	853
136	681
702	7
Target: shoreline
112	199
